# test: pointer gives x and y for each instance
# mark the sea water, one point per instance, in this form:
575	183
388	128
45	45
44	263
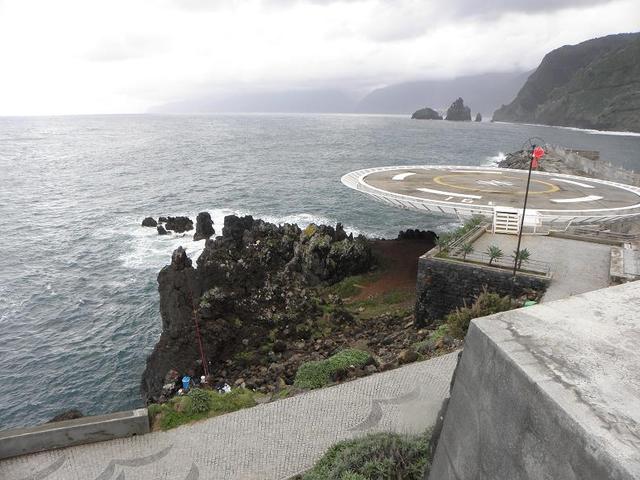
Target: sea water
78	293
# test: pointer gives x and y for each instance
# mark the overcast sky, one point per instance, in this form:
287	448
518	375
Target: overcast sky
124	56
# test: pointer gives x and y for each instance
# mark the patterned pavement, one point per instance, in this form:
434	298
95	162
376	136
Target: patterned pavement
270	441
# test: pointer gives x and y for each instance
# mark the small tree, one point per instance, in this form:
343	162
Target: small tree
520	257
466	248
494	253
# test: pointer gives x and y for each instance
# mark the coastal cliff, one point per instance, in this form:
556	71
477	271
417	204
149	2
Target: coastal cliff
251	288
594	84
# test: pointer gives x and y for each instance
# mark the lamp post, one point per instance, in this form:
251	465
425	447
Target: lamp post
535	153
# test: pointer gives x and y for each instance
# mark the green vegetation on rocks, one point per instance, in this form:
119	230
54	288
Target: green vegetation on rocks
317	374
375	456
457	322
199	404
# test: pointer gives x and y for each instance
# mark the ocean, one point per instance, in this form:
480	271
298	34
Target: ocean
79	308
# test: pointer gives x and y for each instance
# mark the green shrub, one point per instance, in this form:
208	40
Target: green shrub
230	402
457	322
200	401
200	404
317	374
352	476
375	456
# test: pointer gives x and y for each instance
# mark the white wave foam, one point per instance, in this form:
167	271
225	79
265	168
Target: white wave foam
147	249
585	130
494	161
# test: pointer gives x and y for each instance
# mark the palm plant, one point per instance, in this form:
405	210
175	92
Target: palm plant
522	256
466	249
443	244
494	253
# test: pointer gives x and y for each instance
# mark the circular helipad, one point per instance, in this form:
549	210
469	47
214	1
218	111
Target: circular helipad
464	191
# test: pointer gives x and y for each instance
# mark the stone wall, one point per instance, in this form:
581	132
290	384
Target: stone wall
548	392
445	284
20	441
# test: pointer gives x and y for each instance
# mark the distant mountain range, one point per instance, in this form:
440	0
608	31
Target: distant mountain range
483	93
286	101
594	84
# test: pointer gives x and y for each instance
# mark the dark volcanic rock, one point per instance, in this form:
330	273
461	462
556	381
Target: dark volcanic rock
162	220
179	224
149	222
478	117
593	84
161	230
459	112
68	415
426	114
204	227
251	284
411	234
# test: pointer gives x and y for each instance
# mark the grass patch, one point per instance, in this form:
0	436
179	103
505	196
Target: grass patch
199	404
351	286
439	333
321	373
396	301
375	456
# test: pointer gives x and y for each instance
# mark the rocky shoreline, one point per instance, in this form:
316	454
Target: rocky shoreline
268	298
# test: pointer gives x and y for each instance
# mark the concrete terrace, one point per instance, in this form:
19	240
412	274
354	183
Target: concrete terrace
271	441
577	266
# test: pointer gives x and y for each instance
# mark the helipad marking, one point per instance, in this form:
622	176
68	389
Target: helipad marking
552	188
448	194
474	171
495	183
590	198
402	176
573	182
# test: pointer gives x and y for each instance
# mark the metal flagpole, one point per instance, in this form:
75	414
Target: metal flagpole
524	209
532	156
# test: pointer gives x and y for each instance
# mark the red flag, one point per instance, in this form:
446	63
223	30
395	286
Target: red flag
537	154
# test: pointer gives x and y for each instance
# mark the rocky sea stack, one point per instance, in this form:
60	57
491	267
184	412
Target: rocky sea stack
458	112
426	114
204	227
251	288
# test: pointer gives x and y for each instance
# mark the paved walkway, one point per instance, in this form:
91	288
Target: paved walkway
577	267
271	441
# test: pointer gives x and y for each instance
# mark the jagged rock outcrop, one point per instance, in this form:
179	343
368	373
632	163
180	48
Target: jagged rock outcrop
204	227
478	117
179	224
149	222
584	163
426	114
459	112
161	230
594	84
411	234
251	284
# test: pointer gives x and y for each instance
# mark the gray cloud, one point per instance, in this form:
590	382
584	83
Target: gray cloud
126	48
491	7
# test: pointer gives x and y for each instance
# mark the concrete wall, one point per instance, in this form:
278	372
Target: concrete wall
548	392
20	441
445	284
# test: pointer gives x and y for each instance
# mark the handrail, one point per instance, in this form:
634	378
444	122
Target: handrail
530	266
